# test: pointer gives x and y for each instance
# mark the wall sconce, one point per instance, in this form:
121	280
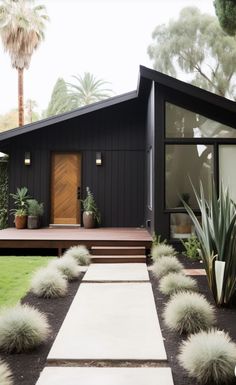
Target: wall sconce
27	160
98	158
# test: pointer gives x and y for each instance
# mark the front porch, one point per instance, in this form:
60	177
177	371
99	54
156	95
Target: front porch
58	239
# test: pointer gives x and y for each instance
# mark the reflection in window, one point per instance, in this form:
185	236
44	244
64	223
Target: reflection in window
185	162
227	162
182	123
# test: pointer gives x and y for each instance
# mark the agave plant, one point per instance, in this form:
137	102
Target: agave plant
217	237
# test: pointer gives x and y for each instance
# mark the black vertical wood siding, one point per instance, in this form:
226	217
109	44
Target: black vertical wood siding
118	185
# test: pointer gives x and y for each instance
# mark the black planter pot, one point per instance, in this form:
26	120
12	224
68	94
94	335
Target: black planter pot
33	222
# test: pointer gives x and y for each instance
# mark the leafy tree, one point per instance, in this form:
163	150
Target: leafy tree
60	99
195	44
87	89
10	119
22	29
226	13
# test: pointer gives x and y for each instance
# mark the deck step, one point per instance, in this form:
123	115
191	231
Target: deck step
118	258
119	250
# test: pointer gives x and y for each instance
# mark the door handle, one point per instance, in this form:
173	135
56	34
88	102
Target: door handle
78	192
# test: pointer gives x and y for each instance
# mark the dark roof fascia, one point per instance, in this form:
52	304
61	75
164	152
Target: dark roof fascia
188	89
68	115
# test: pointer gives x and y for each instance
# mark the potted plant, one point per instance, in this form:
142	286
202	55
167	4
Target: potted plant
91	215
21	207
35	211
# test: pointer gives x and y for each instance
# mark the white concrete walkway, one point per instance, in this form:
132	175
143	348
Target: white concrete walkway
110	321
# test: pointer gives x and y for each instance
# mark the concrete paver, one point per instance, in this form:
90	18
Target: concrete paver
105	376
117	272
110	321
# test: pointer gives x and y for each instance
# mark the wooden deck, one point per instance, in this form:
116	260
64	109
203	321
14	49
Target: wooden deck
62	238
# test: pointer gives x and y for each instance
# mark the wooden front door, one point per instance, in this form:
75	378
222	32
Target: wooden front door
66	172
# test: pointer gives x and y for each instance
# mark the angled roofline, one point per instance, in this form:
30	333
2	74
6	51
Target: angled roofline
186	88
68	115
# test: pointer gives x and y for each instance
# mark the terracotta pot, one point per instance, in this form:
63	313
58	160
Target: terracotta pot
88	220
21	221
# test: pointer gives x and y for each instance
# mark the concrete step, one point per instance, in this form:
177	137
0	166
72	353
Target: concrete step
105	376
118	258
111	250
117	272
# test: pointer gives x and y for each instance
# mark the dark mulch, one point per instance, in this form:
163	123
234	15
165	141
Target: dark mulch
26	367
226	320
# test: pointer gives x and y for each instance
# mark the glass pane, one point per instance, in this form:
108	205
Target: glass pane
227	161
184	162
150	178
182	123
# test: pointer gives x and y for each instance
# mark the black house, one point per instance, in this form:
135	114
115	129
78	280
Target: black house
136	152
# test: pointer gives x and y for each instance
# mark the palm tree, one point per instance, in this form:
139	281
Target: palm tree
87	90
22	29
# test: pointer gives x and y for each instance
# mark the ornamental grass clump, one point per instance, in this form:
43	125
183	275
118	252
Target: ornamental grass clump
165	265
174	282
209	357
5	374
22	328
49	283
188	312
160	250
80	253
67	266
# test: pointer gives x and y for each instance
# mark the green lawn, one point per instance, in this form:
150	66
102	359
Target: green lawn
15	275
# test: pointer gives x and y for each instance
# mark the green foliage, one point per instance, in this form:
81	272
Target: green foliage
35	208
209	357
60	99
20	199
192	248
5	374
3	193
90	206
174	282
15	274
68	267
217	237
22	328
195	44
87	89
188	312
165	265
49	283
156	239
80	253
226	13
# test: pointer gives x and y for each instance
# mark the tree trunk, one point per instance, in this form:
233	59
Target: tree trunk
21	96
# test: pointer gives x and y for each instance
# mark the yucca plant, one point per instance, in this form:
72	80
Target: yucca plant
217	237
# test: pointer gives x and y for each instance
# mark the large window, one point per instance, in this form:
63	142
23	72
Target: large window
186	162
182	123
227	162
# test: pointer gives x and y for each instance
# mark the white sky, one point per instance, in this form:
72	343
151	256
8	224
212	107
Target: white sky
106	37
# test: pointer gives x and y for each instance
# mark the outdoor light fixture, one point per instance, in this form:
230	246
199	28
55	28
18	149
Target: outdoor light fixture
27	160
98	158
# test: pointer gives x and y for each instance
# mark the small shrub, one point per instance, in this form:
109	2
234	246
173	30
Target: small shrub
49	283
188	312
209	357
160	250
5	374
80	253
166	265
174	282
192	248
67	266
22	328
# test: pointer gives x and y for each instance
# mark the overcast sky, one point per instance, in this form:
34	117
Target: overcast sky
108	38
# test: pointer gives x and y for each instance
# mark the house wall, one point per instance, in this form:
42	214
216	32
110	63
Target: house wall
118	185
